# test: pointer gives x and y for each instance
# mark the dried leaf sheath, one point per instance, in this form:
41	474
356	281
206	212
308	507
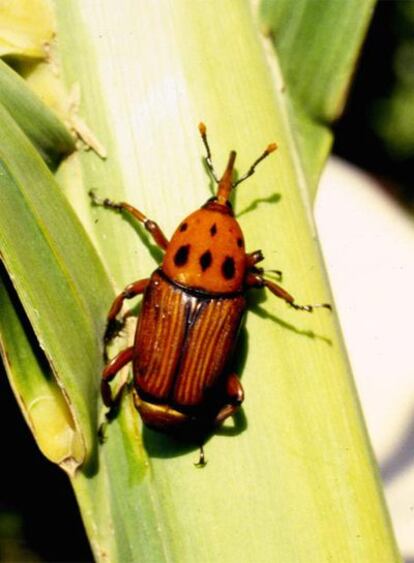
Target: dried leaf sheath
183	341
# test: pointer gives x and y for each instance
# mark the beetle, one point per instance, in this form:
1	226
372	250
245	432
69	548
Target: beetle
193	306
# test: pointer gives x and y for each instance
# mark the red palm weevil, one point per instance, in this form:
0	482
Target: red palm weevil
191	313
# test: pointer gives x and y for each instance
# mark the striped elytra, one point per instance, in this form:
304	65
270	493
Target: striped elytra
198	331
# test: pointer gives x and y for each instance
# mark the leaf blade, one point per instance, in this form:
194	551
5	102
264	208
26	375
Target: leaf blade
43	128
146	500
55	271
317	46
295	372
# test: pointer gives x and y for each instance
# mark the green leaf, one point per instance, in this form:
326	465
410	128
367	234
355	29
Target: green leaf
317	44
40	124
56	273
41	400
292	477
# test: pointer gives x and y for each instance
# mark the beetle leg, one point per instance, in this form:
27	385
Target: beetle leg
132	290
151	226
277	273
201	458
110	372
256	280
235	396
252	258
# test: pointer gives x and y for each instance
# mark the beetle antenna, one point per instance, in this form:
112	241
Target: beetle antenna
203	132
271	148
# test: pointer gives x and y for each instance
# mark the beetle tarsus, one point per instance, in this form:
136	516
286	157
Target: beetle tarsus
108	374
201	460
102	437
256	280
104	202
310	308
109	204
253	258
277	273
113	328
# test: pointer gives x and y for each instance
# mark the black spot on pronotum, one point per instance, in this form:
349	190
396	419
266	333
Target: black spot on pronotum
227	268
183	227
205	260
239	242
213	229
181	256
